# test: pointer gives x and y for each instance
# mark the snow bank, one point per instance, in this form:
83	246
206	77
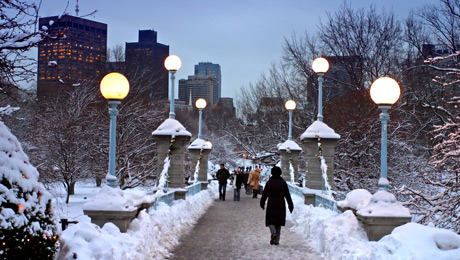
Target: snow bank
171	127
293	146
319	129
150	236
383	203
342	237
116	199
199	144
356	199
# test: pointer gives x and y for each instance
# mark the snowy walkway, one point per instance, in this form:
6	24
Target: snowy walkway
236	230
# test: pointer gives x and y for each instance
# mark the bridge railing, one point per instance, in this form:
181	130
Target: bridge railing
314	197
169	196
193	189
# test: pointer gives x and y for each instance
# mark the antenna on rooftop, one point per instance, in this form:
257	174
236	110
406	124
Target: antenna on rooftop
77	9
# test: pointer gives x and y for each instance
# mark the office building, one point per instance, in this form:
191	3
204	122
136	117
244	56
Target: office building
145	65
206	83
75	53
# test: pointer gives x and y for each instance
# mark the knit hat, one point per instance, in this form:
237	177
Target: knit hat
276	171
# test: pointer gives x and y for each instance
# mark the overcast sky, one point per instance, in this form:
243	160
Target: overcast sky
244	37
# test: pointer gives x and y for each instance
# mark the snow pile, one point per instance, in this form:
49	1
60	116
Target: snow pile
199	144
291	145
356	199
116	199
150	236
319	129
383	203
171	127
343	237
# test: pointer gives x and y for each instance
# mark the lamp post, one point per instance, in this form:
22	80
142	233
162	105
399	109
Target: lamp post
290	105
320	66
172	64
114	87
209	144
385	91
200	104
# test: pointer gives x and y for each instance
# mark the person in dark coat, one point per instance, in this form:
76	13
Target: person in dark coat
222	175
276	191
245	182
237	184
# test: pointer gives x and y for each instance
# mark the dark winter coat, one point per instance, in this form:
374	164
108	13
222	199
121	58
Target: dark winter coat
276	190
238	180
222	175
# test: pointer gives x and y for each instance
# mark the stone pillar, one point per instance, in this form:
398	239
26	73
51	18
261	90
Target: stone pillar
195	149
182	137
285	164
329	140
295	151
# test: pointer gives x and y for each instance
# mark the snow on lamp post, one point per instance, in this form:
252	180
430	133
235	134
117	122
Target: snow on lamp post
290	105
200	104
172	64
320	66
385	91
114	87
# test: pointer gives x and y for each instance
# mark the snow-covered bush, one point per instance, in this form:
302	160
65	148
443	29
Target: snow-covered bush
27	225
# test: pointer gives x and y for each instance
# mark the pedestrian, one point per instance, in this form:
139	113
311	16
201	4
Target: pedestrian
237	181
276	191
222	176
254	180
245	182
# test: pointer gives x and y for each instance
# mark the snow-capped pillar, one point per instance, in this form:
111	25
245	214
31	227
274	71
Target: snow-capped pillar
199	151
290	152
172	139
328	141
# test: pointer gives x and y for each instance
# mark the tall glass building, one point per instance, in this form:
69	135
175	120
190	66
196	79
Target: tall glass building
206	83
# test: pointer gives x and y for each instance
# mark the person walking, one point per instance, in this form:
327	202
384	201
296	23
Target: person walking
246	181
222	176
238	180
276	191
254	180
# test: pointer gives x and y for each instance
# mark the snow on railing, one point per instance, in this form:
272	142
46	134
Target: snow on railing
325	186
291	168
164	176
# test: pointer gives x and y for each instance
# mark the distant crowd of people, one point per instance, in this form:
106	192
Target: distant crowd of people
276	191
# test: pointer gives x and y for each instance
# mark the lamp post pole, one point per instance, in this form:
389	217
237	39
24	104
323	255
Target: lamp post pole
384	117
320	97
290	125
200	111
113	112
320	66
385	91
171	95
114	87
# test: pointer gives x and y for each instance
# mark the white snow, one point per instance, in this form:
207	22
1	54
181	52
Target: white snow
116	199
291	145
319	129
383	203
150	236
199	144
356	199
342	237
171	127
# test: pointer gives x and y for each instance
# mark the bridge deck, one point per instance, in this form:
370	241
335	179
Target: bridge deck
236	230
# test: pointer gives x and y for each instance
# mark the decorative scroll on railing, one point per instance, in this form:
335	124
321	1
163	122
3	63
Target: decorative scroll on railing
325	187
163	183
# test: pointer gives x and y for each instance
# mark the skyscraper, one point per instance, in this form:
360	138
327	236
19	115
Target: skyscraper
144	64
77	53
206	83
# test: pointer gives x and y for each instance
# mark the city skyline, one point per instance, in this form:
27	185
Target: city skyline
245	38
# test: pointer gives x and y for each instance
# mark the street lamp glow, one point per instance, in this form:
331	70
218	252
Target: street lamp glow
173	63
385	91
209	144
114	86
200	103
320	65
290	105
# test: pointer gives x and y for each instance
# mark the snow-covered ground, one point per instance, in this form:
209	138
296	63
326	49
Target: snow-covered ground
150	236
342	237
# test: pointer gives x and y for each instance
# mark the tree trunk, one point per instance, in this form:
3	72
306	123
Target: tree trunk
71	189
98	182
